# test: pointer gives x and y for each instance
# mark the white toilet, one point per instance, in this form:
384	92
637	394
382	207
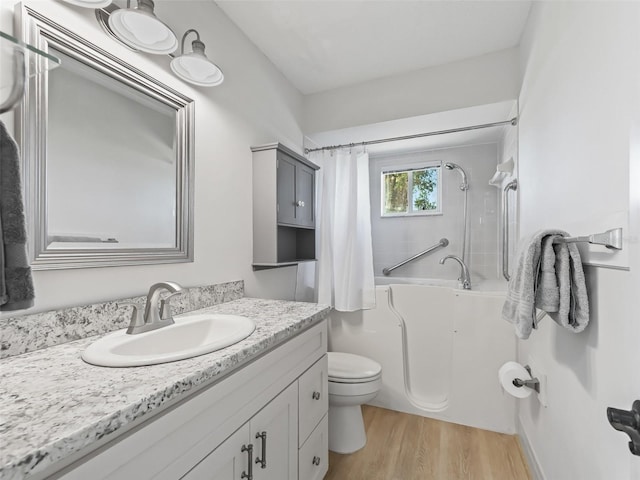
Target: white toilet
353	380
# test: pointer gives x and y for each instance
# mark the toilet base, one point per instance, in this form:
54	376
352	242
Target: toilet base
346	429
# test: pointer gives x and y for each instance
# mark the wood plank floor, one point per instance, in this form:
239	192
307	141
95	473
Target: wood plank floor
409	447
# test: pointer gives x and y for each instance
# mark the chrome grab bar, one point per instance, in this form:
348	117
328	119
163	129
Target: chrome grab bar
442	243
512	185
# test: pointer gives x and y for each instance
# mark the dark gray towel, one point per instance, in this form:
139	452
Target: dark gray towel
519	306
547	293
16	284
573	303
548	276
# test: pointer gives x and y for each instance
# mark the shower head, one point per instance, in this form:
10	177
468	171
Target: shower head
452	166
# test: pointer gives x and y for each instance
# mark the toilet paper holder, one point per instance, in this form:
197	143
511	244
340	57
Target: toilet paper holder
532	383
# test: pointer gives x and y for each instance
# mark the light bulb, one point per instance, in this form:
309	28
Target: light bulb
142	30
146	29
197	69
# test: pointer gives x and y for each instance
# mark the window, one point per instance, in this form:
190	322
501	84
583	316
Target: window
414	191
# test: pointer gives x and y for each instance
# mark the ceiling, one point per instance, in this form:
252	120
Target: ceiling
324	44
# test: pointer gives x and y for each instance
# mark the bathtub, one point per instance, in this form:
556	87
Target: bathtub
440	348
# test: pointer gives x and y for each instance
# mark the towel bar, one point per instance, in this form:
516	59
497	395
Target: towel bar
611	239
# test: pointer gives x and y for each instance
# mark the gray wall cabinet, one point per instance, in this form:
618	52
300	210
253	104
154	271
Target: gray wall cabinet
283	207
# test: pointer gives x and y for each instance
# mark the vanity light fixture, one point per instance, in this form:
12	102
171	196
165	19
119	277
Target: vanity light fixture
195	67
89	3
141	29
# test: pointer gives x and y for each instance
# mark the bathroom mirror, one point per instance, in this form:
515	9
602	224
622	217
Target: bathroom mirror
107	153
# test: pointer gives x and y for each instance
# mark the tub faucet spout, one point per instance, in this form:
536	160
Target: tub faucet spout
465	277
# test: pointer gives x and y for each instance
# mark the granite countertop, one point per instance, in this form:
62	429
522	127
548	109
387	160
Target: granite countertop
53	404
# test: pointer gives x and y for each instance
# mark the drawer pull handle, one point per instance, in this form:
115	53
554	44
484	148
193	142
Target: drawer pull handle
316	395
249	450
316	461
299	203
262	461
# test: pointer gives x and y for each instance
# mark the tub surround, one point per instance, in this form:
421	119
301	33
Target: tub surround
455	343
26	333
54	405
488	286
397	238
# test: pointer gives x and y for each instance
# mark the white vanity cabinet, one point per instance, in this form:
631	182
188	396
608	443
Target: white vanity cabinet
264	448
213	433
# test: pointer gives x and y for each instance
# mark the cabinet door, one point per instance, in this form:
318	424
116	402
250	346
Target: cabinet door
286	184
227	461
305	193
274	434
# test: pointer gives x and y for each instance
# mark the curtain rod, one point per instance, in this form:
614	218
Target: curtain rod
513	121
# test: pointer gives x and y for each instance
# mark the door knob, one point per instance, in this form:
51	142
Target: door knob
627	421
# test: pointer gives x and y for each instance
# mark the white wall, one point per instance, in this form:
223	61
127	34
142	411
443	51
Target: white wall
255	105
398	238
477	81
578	103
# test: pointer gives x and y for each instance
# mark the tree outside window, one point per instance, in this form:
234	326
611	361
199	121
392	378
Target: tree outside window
411	192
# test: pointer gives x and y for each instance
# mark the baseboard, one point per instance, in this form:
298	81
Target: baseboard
532	460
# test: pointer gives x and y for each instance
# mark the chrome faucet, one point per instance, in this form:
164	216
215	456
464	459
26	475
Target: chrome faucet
465	278
157	311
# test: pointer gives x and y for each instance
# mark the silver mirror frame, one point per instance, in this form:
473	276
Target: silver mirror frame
31	130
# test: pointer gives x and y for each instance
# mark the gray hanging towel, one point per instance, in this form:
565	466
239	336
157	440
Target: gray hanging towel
523	288
16	284
573	306
547	293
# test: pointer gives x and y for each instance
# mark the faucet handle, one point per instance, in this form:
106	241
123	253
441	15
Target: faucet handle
165	306
137	318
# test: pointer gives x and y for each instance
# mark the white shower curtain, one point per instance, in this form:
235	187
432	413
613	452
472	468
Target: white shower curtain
345	258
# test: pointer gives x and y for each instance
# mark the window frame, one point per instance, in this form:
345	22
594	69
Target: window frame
410	168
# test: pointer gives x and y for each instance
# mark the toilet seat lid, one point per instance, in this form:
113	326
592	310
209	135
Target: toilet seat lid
347	367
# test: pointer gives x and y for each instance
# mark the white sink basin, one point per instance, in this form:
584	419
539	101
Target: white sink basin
190	336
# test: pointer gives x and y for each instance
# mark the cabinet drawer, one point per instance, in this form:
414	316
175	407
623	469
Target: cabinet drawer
313	459
313	398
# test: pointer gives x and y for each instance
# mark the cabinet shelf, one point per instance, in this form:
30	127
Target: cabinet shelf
265	266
